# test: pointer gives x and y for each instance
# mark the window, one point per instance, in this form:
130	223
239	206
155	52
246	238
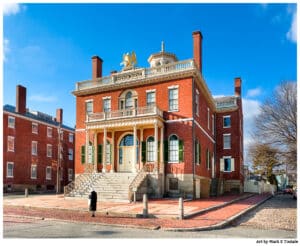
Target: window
213	124
33	171
226	121
107	153
48	173
10	144
208	119
208	159
49	150
226	141
10	170
128	100
197	103
89	107
49	132
197	152
150	98
173	99
71	137
34	148
61	135
227	164
70	154
150	149
70	174
173	149
11	122
35	128
106	105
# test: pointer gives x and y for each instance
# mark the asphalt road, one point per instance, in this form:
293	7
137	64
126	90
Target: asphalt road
15	227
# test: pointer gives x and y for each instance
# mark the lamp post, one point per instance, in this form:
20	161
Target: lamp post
58	159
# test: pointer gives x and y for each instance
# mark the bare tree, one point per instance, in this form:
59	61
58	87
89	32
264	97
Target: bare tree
276	125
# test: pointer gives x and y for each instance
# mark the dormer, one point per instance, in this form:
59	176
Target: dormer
161	58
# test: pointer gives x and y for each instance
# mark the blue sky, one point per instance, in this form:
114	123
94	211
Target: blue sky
48	47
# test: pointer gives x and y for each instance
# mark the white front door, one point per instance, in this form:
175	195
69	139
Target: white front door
127	160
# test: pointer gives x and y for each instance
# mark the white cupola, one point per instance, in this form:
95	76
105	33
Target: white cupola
162	57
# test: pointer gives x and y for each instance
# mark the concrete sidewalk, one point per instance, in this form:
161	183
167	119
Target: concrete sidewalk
201	214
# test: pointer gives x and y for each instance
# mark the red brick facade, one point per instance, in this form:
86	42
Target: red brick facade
198	122
35	128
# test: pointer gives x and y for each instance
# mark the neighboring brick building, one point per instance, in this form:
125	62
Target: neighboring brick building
161	121
30	148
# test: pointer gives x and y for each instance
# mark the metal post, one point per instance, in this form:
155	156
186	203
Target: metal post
26	192
181	212
145	206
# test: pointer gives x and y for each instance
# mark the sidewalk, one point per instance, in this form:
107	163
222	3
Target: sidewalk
201	214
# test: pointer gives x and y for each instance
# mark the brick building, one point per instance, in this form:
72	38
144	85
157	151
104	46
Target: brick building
160	124
30	148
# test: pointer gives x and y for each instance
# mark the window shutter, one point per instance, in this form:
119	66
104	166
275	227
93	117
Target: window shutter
99	153
232	164
166	151
222	164
143	151
82	154
181	148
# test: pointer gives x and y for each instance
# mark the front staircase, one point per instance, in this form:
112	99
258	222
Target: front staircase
109	186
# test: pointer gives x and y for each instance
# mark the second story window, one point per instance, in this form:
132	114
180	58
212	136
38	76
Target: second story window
106	105
34	148
49	132
226	121
11	122
173	99
128	100
226	141
10	144
35	128
89	107
150	98
49	150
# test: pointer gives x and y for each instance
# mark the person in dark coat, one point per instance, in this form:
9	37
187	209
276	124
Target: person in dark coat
93	202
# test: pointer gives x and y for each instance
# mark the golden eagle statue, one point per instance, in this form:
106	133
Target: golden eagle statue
129	60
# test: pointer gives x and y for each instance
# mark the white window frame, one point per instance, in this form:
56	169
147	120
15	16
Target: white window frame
48	173
222	164
49	132
173	109
70	174
224	117
208	118
176	151
71	137
11	121
12	139
49	150
33	166
150	149
9	171
213	124
197	102
35	128
106	99
108	153
224	142
70	154
151	103
34	145
92	103
61	135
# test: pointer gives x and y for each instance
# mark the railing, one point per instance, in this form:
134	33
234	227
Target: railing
135	74
226	103
125	113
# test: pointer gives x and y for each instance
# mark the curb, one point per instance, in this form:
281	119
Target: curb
221	224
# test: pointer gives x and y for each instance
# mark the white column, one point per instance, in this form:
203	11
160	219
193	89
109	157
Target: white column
112	170
134	150
155	147
104	151
86	146
141	140
162	147
95	152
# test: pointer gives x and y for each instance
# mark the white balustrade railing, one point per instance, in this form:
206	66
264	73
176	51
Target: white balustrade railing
135	74
125	113
226	103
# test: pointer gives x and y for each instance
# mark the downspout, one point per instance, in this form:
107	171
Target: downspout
193	137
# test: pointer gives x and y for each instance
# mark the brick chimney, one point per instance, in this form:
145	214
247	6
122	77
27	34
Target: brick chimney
237	86
20	99
59	115
96	67
197	48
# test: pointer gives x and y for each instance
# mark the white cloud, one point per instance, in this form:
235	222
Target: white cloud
254	92
292	33
6	48
11	8
42	98
251	108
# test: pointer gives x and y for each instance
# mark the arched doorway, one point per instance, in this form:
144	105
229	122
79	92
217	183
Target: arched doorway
126	154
